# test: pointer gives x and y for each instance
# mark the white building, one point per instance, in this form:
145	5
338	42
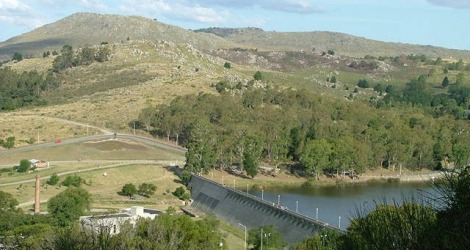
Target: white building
111	223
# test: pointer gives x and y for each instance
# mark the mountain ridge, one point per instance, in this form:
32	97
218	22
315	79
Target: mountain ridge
80	29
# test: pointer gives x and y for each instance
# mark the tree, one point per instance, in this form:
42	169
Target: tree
363	84
67	206
146	189
7	202
128	189
252	155
267	237
316	156
65	60
17	57
331	52
180	192
379	88
333	79
102	54
227	65
54	179
73	180
258	76
445	82
24	166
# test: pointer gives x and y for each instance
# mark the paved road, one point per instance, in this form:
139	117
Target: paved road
107	134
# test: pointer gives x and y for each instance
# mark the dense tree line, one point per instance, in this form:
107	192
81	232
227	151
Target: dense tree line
24	89
455	102
293	126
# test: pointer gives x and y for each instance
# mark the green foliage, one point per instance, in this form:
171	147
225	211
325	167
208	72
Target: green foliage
330	52
258	76
85	56
445	82
7	202
452	221
25	89
267	237
325	239
146	189
9	143
333	79
53	180
227	65
316	156
128	189
67	206
391	227
181	193
363	84
185	177
24	166
17	57
73	180
65	60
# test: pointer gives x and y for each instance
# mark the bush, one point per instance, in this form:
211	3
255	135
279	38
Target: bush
72	180
128	189
180	192
24	166
146	189
227	65
53	180
258	76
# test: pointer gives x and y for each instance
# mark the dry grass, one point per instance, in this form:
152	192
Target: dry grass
104	190
94	151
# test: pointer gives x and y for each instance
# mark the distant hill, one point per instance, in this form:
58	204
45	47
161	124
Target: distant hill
87	28
323	41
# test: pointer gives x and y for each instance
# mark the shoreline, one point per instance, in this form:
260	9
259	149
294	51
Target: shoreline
283	180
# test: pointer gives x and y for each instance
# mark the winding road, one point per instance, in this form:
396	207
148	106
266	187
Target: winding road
107	134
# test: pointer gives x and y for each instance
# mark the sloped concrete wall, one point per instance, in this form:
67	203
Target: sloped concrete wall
236	207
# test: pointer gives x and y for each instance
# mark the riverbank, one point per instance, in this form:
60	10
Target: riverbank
284	180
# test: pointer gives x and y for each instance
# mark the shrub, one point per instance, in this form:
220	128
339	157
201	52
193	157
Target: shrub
24	166
53	180
128	189
73	180
180	192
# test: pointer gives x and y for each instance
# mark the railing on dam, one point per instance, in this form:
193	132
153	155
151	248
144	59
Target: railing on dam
236	207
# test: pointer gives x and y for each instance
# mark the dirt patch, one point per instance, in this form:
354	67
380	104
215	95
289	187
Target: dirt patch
114	145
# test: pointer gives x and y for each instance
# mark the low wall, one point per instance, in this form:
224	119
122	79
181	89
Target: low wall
235	207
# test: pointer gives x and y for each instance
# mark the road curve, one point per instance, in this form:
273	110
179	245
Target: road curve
141	139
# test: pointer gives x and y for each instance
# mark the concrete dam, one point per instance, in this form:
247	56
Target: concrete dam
236	207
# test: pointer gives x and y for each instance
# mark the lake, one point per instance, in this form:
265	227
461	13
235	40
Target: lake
336	205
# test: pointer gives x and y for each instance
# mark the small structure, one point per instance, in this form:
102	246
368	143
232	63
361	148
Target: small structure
38	163
111	223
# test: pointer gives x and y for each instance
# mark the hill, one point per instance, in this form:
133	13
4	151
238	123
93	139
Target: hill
93	29
323	41
88	28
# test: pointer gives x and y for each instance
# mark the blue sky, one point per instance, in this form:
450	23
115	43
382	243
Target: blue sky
428	22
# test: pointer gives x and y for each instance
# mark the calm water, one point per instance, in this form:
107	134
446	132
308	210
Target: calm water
343	201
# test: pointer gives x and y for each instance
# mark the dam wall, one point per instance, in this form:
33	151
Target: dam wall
234	207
